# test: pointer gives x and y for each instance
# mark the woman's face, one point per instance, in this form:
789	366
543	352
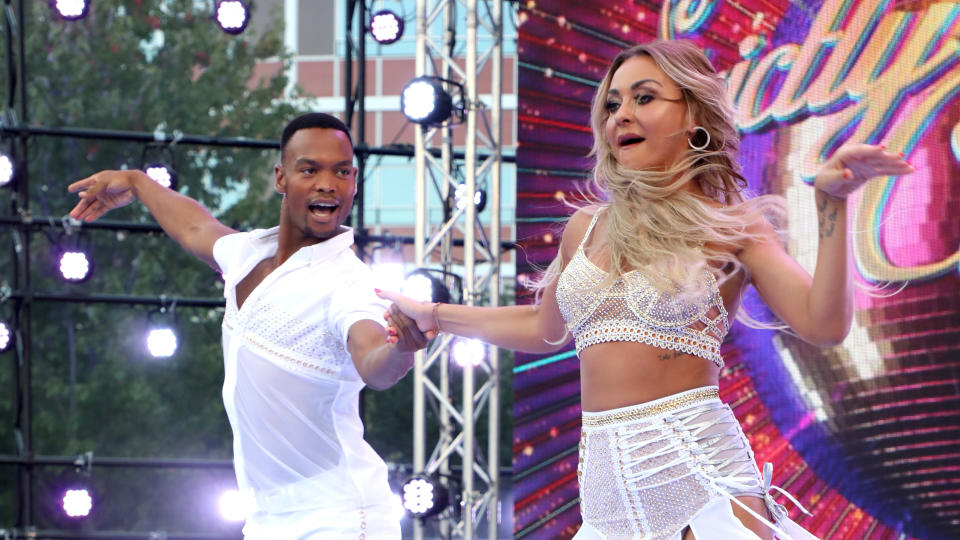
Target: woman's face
647	126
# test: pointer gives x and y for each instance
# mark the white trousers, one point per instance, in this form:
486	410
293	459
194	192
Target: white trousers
649	471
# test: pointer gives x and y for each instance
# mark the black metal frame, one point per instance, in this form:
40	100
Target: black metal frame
15	125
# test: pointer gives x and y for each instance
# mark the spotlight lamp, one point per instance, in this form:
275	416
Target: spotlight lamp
386	27
6	336
468	352
71	10
424	496
158	161
425	101
77	502
75	497
7	168
429	285
232	16
73	258
479	198
161	338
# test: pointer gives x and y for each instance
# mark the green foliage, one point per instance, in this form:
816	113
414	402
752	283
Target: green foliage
94	386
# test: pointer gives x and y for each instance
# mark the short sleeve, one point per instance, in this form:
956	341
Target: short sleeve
227	252
355	300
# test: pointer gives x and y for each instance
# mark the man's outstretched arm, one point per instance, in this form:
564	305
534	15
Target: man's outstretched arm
182	218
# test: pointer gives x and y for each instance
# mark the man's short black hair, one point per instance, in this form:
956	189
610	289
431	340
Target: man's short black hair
312	120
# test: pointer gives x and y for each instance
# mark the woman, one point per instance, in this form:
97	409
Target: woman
646	281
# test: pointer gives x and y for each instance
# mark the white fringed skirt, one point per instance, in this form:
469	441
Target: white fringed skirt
651	470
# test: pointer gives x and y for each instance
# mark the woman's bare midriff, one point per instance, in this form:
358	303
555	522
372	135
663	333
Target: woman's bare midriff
621	374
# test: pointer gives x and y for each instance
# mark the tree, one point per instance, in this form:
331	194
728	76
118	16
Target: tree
137	65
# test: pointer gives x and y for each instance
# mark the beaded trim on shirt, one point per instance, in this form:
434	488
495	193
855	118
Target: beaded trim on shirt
648	410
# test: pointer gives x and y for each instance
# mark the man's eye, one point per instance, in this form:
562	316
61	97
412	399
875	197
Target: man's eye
344	172
611	106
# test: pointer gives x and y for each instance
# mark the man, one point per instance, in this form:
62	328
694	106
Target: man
301	336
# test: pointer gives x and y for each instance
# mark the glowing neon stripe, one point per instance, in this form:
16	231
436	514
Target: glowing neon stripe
938	35
545	361
809	75
891	49
559	74
861	44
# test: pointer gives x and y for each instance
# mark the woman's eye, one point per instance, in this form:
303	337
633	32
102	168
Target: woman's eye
644	99
611	106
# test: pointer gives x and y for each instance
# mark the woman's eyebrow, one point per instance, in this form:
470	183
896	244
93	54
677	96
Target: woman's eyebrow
634	86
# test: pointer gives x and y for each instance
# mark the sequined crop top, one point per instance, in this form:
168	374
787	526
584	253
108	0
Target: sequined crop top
632	309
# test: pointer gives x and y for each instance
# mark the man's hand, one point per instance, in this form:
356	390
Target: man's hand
852	165
420	313
403	331
102	192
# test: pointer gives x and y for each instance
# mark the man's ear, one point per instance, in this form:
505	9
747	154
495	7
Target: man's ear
279	179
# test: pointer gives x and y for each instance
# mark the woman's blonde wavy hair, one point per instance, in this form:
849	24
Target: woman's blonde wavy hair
652	221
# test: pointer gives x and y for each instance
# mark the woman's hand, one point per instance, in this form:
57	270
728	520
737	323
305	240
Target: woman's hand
853	164
420	312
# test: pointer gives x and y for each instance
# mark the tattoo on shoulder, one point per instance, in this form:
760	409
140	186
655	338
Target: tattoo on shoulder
670	355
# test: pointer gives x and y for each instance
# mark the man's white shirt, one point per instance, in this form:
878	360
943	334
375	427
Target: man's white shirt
290	387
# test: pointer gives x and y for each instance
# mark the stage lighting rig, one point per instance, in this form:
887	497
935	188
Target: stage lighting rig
429	285
425	101
72	255
75	497
386	27
468	352
7	167
71	10
235	505
479	198
161	338
158	161
232	16
6	336
424	496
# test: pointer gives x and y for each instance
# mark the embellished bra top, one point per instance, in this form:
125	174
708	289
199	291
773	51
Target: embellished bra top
633	309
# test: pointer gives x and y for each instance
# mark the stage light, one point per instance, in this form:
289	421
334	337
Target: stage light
388	276
468	352
77	502
161	174
162	342
74	265
425	285
71	10
460	196
235	505
161	337
424	101
424	496
232	16
6	169
6	337
386	27
158	161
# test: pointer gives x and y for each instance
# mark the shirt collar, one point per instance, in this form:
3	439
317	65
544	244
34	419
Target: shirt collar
267	238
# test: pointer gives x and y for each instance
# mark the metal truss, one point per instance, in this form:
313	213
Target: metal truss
437	48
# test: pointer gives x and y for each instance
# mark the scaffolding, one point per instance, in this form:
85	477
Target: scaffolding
481	255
